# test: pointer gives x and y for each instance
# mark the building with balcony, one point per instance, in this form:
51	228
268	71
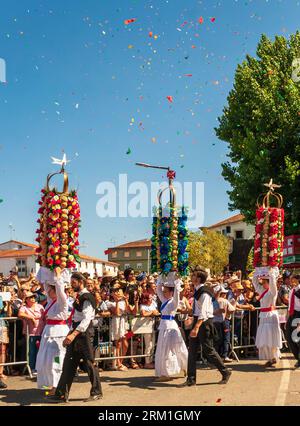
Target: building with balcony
135	255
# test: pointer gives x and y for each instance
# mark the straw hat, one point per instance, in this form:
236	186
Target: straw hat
234	279
239	286
30	294
247	284
219	289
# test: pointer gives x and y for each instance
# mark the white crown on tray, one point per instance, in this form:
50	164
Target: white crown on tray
264	271
45	275
170	280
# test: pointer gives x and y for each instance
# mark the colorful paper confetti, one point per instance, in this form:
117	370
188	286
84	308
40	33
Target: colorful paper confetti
129	21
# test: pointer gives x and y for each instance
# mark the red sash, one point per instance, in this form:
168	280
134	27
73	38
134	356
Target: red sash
69	320
262	295
55	322
292	306
270	309
46	310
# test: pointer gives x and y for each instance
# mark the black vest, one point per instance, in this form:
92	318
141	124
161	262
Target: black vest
78	303
204	289
297	293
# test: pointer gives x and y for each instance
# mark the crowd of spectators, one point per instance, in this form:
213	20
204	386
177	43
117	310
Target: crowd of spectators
120	300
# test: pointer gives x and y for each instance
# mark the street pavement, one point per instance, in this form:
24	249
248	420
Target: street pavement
250	384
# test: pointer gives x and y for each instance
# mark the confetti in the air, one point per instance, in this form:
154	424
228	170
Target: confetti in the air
170	98
129	21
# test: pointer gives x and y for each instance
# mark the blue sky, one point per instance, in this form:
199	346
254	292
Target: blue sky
77	77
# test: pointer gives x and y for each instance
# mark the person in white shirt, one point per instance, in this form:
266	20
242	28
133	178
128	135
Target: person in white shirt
222	309
51	352
203	331
148	309
293	322
171	352
268	336
79	344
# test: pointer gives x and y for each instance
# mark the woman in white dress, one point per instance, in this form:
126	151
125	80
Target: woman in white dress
51	353
268	336
171	352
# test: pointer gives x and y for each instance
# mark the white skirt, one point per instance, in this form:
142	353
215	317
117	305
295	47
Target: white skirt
50	358
268	337
119	328
171	353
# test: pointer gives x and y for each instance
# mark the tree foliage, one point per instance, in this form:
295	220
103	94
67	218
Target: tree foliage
261	125
208	249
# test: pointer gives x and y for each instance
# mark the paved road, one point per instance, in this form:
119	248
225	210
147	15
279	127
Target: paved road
250	384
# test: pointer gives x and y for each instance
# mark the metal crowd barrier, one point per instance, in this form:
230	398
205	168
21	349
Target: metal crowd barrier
106	351
14	356
244	339
137	327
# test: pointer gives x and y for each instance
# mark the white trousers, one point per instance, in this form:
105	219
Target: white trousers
148	339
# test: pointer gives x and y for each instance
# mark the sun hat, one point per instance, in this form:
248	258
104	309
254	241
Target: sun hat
219	289
239	286
30	294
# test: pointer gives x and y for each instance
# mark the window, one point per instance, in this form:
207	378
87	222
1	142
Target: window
114	254
223	232
228	229
239	235
19	246
127	265
139	253
126	253
139	266
21	265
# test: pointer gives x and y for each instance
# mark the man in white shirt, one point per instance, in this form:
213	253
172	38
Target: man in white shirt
79	344
203	331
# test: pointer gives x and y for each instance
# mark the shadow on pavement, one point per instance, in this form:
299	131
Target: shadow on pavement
139	382
22	396
257	368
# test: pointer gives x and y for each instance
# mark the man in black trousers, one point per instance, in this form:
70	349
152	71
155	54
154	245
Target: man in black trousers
79	344
203	331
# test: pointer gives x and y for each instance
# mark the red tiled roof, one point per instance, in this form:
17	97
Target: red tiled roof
31	252
233	219
95	259
20	242
17	253
146	243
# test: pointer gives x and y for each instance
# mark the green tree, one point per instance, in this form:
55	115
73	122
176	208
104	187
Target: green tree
261	125
249	265
208	249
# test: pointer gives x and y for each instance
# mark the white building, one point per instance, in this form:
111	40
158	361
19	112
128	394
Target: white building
22	255
240	236
234	227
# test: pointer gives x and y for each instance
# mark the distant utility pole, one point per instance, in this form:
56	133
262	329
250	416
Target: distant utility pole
83	245
112	242
11	230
